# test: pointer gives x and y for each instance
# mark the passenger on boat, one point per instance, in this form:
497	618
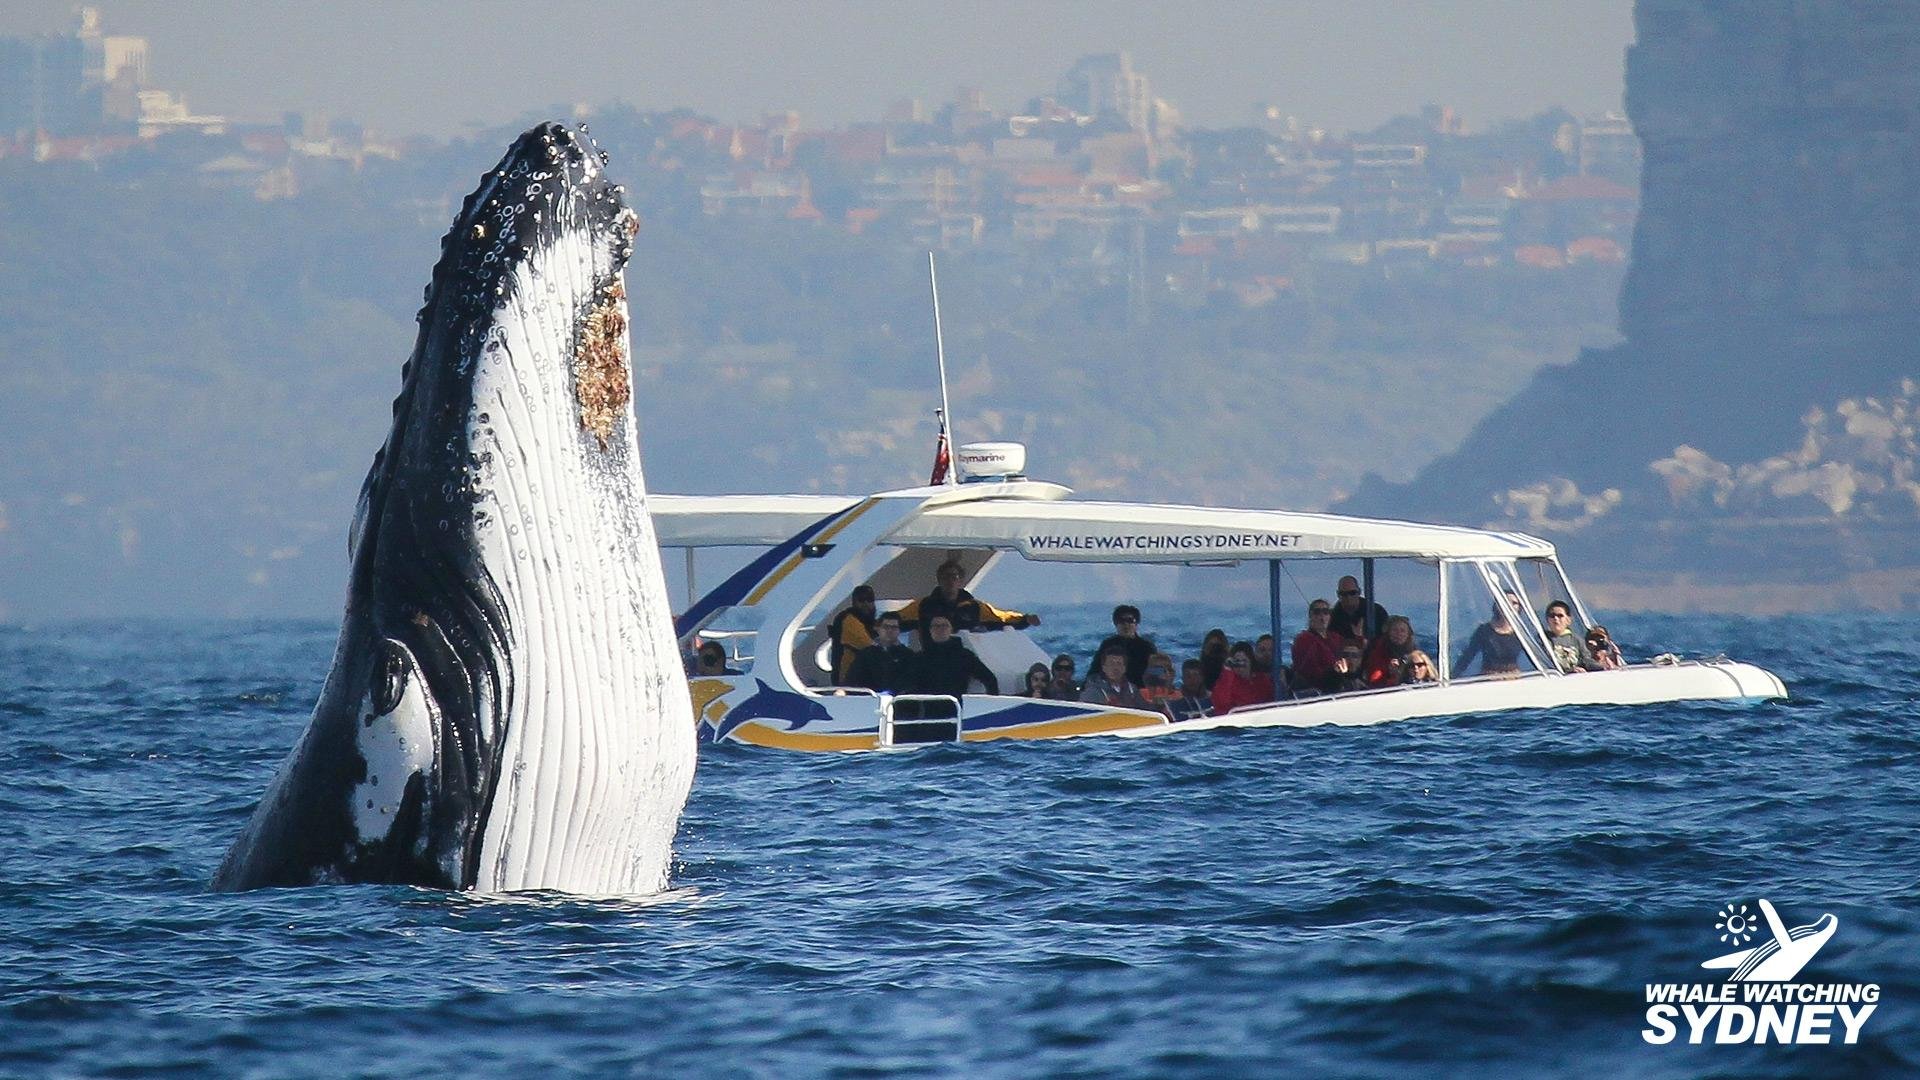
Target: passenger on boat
850	631
946	666
1237	687
1109	685
1350	613
1420	668
1495	643
886	665
1316	650
1157	688
1213	655
1349	664
1264	666
1193	702
1568	651
1039	680
1126	638
1064	686
713	660
1605	652
1388	660
962	610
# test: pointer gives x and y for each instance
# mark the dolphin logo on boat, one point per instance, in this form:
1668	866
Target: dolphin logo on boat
1782	958
769	704
506	707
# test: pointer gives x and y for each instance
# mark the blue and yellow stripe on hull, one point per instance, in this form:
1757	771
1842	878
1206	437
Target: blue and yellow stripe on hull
1062	727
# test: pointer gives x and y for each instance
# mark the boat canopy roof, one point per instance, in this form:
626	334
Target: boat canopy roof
1048	528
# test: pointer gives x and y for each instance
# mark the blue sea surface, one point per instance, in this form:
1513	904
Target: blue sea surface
1470	896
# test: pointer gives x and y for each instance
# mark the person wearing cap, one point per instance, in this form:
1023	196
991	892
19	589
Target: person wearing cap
850	631
1127	640
1315	650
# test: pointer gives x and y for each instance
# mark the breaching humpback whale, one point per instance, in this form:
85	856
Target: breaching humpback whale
506	707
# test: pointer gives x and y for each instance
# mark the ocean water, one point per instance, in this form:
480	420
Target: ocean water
1481	895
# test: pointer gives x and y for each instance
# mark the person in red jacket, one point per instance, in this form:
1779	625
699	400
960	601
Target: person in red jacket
1316	653
1389	660
1238	687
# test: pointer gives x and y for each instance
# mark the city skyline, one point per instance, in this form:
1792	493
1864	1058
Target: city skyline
425	71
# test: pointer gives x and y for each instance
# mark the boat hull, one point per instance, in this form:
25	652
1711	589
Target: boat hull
1641	685
747	710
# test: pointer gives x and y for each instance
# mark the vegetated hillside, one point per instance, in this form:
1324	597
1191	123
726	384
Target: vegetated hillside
1757	426
192	382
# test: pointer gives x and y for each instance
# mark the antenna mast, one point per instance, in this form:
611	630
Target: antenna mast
940	351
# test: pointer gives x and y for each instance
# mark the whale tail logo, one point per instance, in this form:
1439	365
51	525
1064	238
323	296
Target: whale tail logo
1782	958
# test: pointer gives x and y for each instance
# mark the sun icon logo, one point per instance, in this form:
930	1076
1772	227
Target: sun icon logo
1736	926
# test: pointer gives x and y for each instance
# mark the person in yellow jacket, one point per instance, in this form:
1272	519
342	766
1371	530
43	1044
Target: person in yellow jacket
960	606
850	631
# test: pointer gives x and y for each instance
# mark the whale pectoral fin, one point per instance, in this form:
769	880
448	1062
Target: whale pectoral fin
1731	960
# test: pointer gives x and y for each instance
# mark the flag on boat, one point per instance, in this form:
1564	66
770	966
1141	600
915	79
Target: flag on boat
941	459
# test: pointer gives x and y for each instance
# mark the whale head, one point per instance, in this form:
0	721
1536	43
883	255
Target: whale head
506	707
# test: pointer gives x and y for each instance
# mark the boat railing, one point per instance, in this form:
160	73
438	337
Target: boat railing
912	719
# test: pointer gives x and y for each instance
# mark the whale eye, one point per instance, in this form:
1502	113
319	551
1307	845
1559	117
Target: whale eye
388	681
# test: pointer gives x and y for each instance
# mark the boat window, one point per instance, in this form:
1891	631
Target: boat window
738	629
1485	636
1546	583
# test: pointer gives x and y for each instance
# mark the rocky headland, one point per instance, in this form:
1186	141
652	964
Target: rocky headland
1751	445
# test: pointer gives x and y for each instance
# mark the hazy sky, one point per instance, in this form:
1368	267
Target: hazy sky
405	66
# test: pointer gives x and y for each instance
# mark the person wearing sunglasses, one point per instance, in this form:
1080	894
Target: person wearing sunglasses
1126	640
1315	651
1420	668
1569	652
1350	612
1063	686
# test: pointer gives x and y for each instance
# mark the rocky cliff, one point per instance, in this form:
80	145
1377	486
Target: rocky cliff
1757	425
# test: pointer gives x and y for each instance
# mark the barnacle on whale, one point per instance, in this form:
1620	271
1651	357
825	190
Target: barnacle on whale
600	379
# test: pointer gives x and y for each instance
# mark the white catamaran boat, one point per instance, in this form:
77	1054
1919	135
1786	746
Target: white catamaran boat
811	550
